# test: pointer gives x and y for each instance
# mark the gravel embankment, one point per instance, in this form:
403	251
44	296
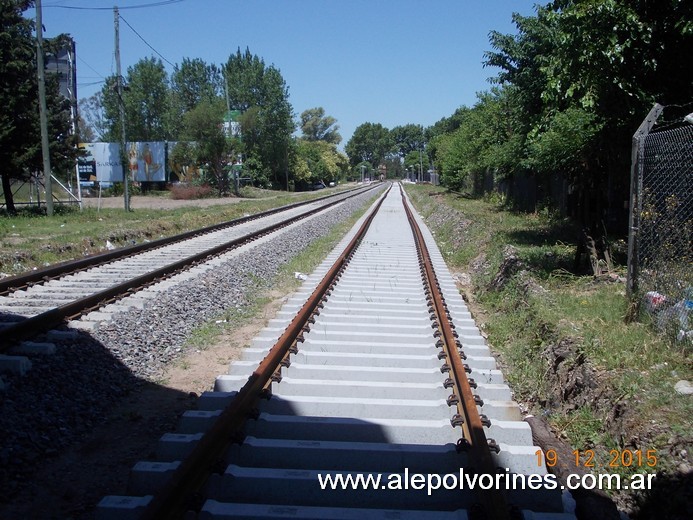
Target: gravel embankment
66	394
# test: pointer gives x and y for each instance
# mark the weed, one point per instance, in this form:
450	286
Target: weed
629	400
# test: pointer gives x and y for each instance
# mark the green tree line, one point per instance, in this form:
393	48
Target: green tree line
190	106
20	132
574	83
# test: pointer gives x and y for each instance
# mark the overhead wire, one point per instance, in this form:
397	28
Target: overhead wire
92	68
151	4
146	42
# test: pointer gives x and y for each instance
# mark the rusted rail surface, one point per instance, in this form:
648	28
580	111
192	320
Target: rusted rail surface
175	498
363	393
469	419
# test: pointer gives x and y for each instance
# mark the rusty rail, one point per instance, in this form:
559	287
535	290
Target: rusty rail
474	441
175	498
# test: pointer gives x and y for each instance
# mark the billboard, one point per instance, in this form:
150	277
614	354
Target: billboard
147	161
101	163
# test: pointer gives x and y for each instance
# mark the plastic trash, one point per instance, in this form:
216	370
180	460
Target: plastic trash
654	301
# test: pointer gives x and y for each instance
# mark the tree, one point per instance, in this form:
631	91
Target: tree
316	126
371	143
92	125
260	93
20	132
484	140
17	89
318	160
211	150
146	103
192	82
408	138
592	69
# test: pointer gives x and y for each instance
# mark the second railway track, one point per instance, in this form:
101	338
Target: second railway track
375	369
38	301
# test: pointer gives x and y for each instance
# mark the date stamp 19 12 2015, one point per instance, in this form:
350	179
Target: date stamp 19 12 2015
586	459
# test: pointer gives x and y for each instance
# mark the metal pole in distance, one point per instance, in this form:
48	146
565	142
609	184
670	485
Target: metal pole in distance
121	105
635	209
43	110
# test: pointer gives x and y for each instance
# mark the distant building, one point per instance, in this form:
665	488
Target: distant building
60	59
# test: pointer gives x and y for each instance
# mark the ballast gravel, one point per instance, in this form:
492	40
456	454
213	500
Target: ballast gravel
65	394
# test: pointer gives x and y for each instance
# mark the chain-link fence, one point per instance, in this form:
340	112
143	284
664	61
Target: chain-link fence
660	253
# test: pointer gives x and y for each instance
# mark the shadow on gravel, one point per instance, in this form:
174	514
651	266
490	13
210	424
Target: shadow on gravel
59	419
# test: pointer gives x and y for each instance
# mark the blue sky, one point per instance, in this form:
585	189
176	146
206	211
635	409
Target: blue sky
392	62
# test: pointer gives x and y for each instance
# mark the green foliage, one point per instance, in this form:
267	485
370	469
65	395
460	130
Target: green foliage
259	91
317	160
371	142
408	138
316	126
146	100
192	82
484	140
20	133
566	144
574	83
211	149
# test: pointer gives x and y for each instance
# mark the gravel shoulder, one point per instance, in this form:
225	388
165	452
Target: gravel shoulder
74	426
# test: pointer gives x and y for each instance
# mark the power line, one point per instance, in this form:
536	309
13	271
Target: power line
145	41
92	68
153	4
91	84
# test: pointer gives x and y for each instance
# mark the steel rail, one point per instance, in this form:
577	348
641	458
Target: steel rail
174	500
54	317
12	283
494	500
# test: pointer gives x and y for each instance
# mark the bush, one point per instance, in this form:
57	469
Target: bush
187	192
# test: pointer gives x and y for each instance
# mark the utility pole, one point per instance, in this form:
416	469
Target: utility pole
43	110
121	104
226	88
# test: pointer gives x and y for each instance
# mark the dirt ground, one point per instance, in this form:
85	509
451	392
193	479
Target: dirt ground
149	202
70	486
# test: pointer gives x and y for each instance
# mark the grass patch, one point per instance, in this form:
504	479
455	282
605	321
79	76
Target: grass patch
546	306
284	282
33	240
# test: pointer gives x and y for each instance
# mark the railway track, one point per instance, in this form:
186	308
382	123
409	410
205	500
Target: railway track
37	301
373	370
